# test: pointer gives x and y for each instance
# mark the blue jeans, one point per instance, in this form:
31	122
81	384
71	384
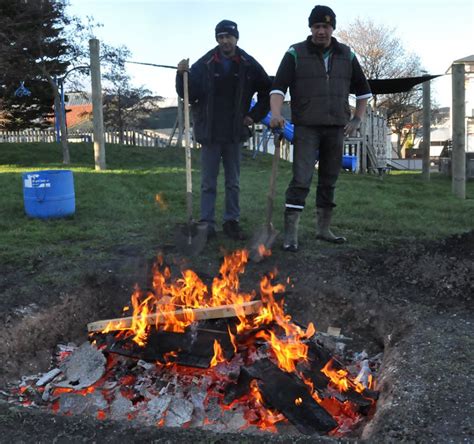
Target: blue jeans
309	143
210	160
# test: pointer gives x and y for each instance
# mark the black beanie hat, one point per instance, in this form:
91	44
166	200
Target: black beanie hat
227	27
322	14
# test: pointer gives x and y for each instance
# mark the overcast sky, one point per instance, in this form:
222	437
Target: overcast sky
164	32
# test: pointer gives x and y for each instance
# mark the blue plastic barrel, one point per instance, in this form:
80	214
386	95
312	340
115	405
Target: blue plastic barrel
349	163
49	194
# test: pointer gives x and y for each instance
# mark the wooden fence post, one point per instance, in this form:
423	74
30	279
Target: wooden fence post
458	157
97	111
426	130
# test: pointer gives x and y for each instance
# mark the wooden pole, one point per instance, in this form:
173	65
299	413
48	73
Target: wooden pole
170	140
179	141
426	129
458	158
97	111
189	180
197	314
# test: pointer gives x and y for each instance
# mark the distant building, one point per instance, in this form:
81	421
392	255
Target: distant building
79	111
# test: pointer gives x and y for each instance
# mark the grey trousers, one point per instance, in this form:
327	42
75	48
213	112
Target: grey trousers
211	156
310	144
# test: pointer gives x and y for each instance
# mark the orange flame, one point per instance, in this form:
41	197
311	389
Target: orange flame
160	200
264	251
170	304
287	351
340	379
185	293
218	354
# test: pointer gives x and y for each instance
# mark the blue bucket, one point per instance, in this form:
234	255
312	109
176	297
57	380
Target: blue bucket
349	163
49	194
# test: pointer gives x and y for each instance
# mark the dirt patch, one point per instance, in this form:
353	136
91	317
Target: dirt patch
413	301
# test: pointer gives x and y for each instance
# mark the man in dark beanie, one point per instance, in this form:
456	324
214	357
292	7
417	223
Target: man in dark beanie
321	73
221	86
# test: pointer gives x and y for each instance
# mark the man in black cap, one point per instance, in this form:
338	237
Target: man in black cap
221	86
321	73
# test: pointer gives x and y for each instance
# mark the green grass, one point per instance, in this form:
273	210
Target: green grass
116	209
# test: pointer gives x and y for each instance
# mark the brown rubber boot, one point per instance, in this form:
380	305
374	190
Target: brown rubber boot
323	222
290	239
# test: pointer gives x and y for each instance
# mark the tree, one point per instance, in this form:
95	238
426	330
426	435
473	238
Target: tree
124	105
382	56
30	33
40	44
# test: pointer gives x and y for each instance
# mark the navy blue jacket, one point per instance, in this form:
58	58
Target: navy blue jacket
252	79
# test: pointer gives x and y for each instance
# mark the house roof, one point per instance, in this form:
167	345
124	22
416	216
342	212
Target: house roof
468	60
440	134
78	98
465	59
78	114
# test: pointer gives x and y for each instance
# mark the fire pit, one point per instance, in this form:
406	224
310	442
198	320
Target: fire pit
212	357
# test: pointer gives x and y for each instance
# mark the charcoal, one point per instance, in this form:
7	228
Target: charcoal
236	390
294	402
356	398
318	355
194	347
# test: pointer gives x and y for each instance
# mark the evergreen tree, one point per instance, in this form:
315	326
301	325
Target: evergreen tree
33	50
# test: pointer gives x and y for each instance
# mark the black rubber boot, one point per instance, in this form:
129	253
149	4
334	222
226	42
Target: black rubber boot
323	222
232	229
290	240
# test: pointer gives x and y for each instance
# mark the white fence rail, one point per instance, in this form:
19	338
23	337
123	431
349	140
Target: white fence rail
130	137
27	136
372	147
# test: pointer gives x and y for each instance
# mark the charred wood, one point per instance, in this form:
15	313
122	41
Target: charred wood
291	397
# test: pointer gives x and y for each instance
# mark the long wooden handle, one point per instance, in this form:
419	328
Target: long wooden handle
271	191
221	311
189	179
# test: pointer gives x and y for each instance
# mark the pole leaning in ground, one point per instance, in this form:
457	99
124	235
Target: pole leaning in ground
426	129
97	111
458	157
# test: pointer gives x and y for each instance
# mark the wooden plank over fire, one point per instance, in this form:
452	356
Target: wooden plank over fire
199	314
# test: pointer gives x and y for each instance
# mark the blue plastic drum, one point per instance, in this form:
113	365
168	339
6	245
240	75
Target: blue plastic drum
49	194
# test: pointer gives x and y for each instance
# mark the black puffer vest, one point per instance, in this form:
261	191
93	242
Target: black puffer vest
319	97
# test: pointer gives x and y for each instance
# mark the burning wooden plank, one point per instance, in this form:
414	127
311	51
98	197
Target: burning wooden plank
290	396
197	314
